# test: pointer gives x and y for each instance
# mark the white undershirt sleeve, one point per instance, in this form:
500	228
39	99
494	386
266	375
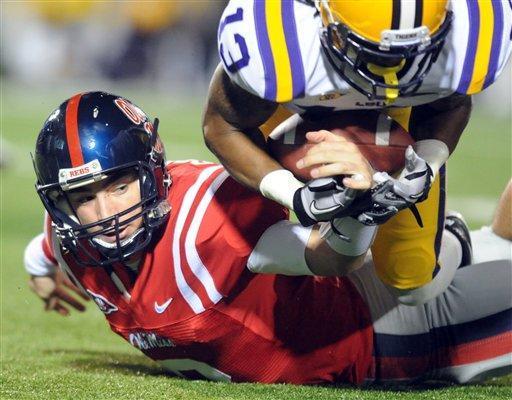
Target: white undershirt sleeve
36	262
281	250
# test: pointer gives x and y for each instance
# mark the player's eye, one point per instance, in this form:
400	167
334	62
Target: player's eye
121	188
84	199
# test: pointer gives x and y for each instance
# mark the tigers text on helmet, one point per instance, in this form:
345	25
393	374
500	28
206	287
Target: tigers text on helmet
385	48
89	138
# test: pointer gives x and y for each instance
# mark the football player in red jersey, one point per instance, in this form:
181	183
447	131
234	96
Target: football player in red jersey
198	271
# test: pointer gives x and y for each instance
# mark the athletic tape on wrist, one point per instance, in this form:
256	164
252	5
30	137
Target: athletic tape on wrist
433	151
348	236
280	185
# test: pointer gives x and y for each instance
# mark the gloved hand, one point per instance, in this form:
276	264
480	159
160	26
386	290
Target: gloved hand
321	200
392	195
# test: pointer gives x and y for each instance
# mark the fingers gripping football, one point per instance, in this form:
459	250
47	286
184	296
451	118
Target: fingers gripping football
377	137
332	155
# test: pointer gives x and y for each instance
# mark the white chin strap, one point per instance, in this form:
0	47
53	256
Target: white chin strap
124	242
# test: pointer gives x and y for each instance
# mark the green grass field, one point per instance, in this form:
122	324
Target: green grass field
46	356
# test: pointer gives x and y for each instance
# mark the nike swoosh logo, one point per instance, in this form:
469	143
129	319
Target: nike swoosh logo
159	309
316	210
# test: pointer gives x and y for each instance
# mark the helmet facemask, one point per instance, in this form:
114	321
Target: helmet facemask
84	241
353	57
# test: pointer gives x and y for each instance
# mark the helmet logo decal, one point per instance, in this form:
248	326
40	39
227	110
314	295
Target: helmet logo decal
132	112
148	127
405	37
70	174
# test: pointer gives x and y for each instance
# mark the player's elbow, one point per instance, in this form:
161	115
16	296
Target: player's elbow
215	130
208	129
346	264
334	265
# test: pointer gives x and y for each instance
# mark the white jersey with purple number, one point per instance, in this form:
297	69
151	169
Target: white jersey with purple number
272	49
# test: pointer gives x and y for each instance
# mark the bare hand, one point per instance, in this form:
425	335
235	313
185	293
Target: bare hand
55	290
334	155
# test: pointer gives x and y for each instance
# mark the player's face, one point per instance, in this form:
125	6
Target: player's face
103	199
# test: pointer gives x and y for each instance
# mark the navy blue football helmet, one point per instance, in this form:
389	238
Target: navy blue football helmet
92	136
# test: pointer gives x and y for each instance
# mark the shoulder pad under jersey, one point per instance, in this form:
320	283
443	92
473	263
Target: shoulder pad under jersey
264	45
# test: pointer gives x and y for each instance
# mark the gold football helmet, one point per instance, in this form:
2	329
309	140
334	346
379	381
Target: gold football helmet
384	48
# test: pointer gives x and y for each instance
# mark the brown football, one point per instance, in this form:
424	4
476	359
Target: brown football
381	139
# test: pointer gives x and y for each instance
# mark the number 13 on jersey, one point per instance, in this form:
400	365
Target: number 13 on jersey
242	60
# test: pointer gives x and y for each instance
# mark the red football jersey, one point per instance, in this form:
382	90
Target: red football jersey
198	310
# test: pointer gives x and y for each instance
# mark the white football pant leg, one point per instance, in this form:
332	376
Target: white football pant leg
488	246
462	335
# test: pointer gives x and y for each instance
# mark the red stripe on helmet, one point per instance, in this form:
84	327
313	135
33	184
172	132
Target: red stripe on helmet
74	147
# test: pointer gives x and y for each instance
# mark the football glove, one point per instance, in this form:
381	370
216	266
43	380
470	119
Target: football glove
321	200
392	195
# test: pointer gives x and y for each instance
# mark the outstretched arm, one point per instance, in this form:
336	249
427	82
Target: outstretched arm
230	125
57	291
48	282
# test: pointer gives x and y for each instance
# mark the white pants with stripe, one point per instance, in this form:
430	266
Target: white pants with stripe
462	335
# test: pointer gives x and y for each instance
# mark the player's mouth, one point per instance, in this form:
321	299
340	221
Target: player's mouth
126	236
111	237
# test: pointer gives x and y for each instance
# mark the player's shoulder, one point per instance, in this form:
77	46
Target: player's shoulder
189	168
222	197
481	40
264	45
190	178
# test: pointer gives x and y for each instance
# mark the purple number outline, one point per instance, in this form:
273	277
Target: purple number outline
234	66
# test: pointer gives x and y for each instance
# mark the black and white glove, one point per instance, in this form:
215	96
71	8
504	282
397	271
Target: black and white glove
321	200
392	195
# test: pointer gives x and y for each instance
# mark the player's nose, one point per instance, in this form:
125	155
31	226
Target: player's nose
104	207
